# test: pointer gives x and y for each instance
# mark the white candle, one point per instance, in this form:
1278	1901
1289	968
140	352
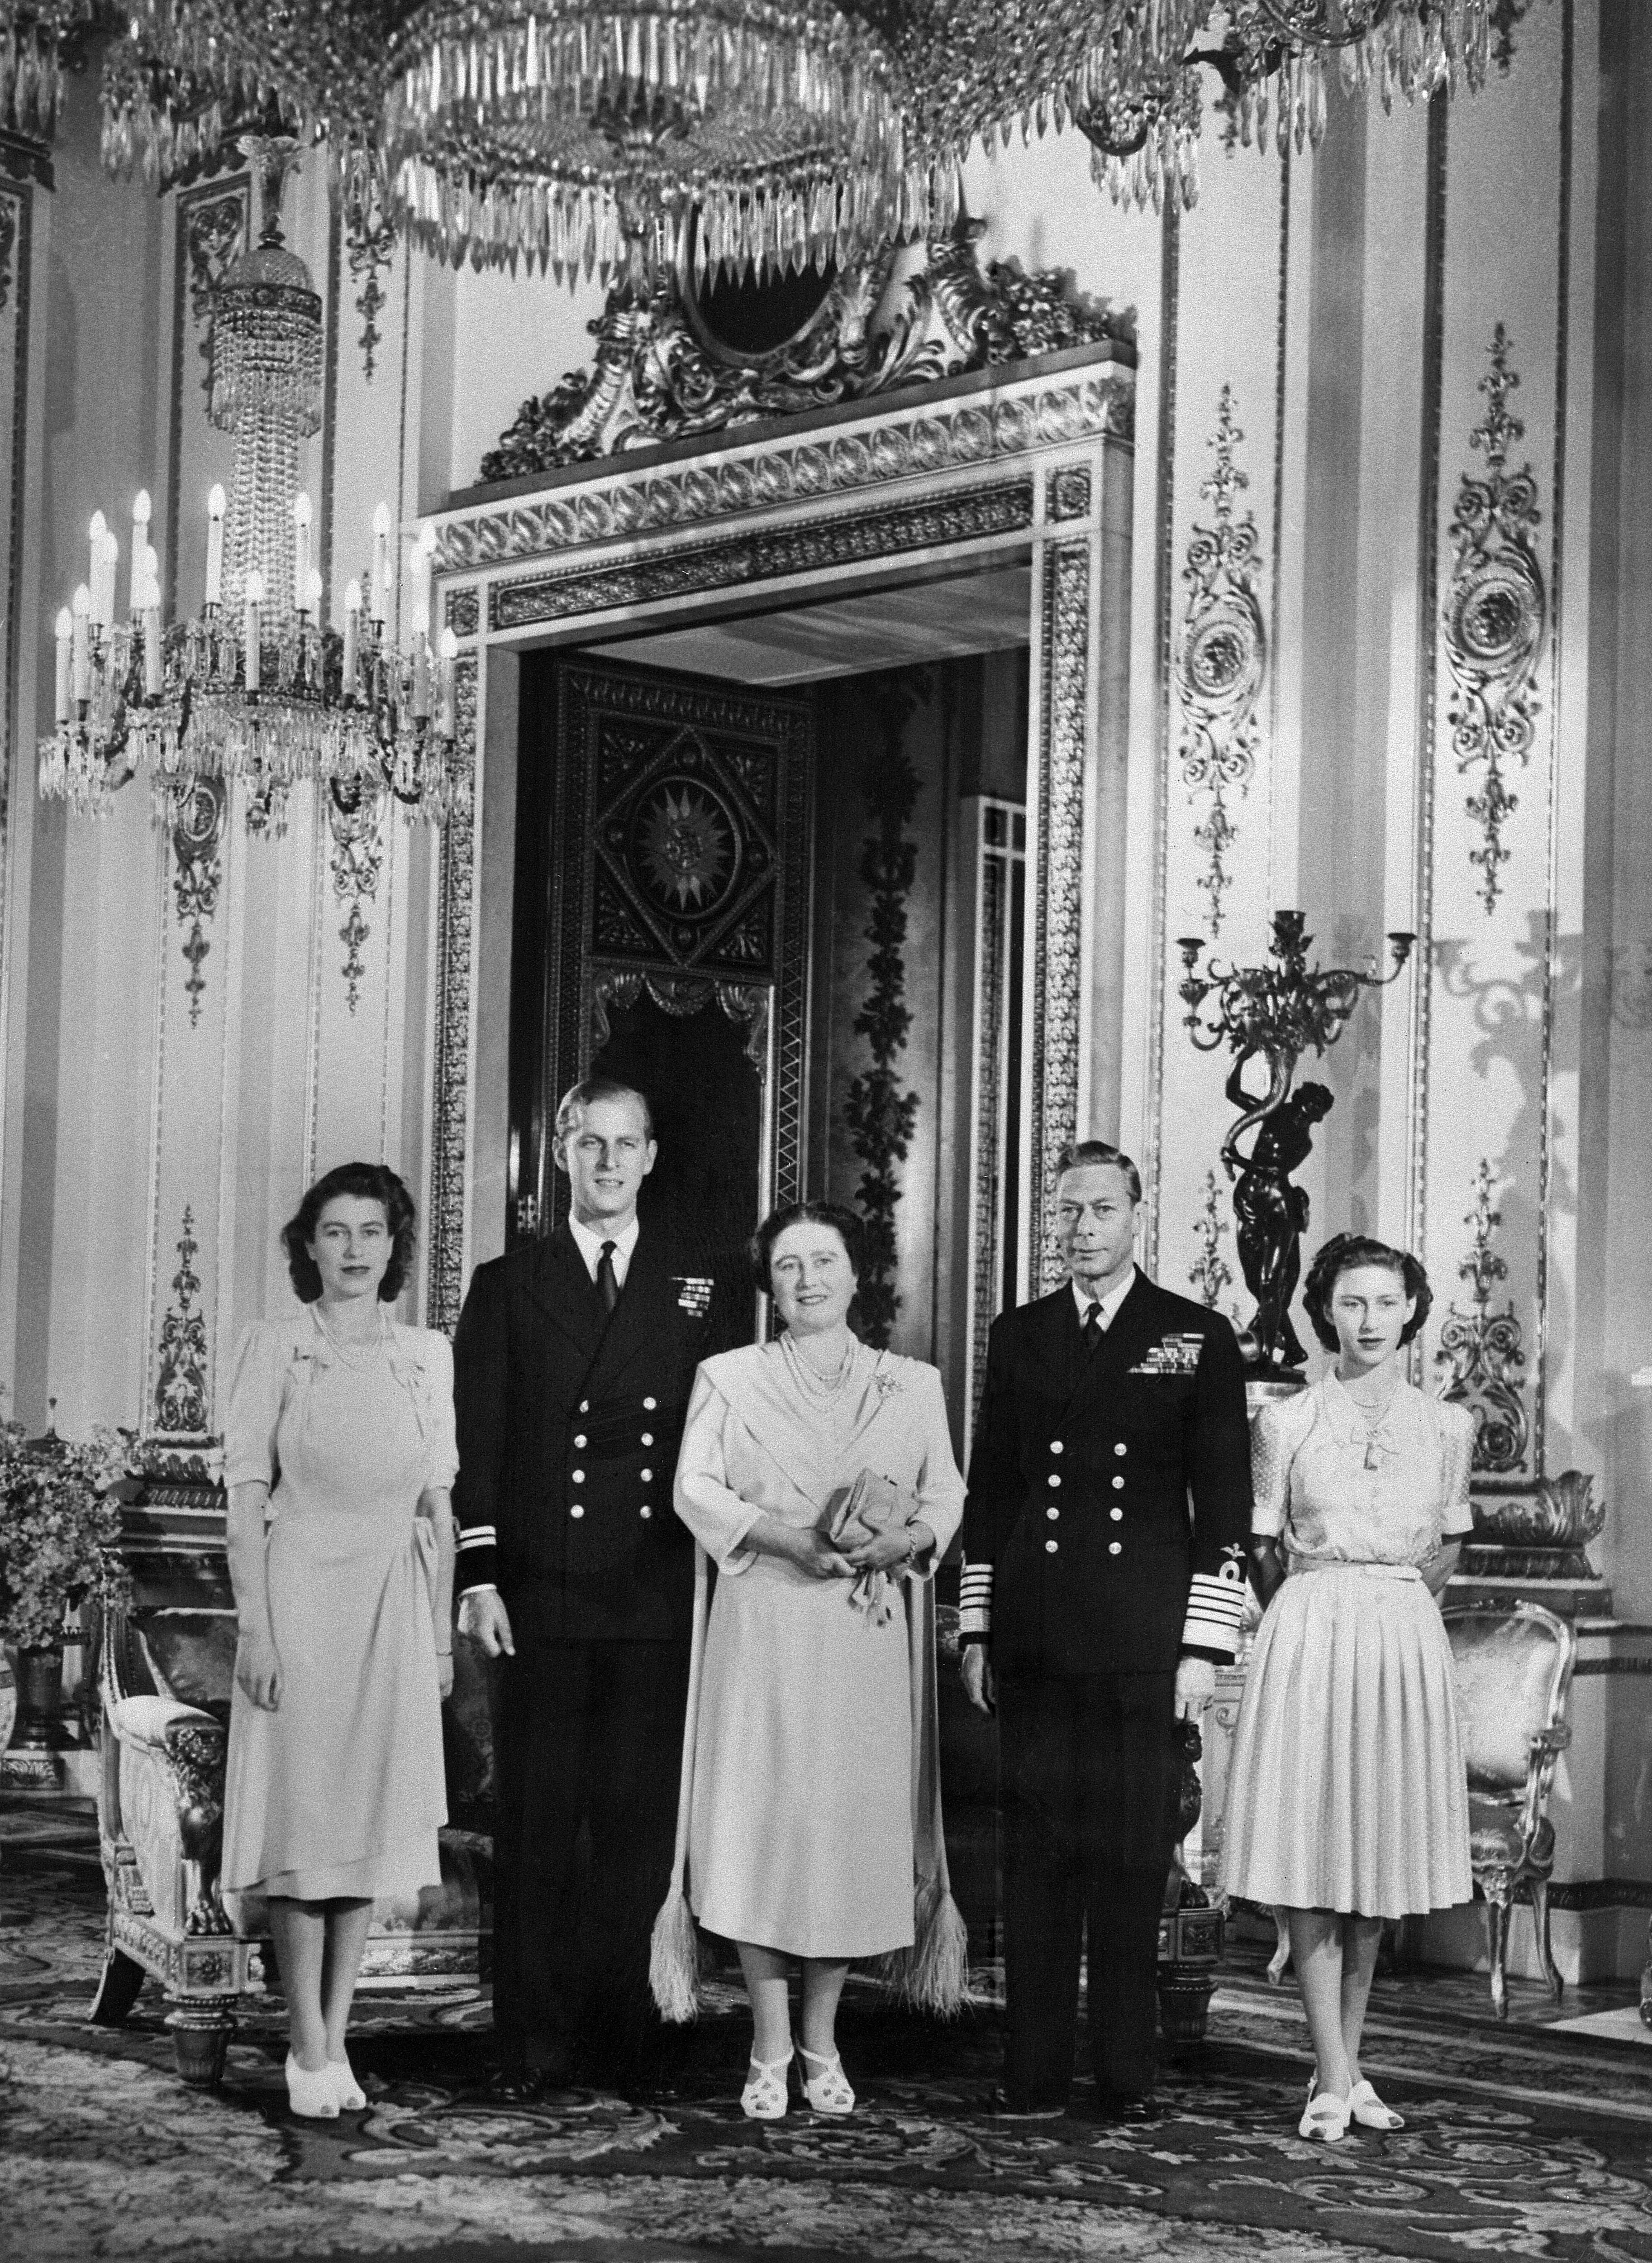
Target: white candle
381	561
312	592
252	629
152	572
83	643
154	677
302	552
352	632
423	553
215	546
103	604
421	664
450	705
65	664
140	544
95	534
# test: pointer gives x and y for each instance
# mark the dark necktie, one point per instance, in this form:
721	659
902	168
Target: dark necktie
1093	1328
607	1281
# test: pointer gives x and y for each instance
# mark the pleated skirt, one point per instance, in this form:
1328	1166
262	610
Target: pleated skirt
1347	1790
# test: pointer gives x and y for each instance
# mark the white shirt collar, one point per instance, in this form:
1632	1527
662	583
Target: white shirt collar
1109	1304
589	1241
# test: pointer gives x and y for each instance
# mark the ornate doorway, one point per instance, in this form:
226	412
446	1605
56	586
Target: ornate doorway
662	922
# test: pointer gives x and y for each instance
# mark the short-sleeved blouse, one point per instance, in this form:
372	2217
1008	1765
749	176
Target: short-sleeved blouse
1309	1457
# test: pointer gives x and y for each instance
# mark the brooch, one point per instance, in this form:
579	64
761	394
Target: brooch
694	1293
1176	1355
885	1382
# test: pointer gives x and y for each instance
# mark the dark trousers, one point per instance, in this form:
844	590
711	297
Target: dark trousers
1087	1776
588	1737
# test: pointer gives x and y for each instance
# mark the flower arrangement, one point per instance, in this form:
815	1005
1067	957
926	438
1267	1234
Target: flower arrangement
60	1531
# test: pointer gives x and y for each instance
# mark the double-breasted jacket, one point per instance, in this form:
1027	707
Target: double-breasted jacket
1109	1496
569	1422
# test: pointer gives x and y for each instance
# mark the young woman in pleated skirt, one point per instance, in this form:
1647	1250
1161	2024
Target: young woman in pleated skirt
1347	1799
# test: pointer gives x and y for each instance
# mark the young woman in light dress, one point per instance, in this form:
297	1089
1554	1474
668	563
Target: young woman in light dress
339	1458
1347	1800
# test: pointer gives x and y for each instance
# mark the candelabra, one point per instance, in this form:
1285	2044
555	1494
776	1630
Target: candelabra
255	687
1278	1011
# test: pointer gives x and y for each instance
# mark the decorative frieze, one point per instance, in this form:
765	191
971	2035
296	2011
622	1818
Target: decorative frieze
1058	861
965	432
1210	1272
816	546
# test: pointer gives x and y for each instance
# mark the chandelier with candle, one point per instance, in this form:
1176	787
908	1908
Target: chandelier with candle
255	687
753	134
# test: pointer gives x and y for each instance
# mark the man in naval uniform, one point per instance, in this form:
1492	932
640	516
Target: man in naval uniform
573	1365
1104	1545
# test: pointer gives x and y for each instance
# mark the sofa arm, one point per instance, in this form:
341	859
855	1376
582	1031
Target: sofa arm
172	1794
151	1720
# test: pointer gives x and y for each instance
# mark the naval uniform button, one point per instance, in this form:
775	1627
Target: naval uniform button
649	1406
1052	1514
648	1437
645	1510
578	1476
579	1441
1050	1547
647	1476
1115	1547
1055	1446
1121	1448
1117	1514
1054	1480
1118	1484
585	1405
578	1509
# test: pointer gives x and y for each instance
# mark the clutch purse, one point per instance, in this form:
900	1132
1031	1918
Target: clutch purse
872	1506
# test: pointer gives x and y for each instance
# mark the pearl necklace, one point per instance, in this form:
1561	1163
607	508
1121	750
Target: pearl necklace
355	1355
1373	1419
824	1388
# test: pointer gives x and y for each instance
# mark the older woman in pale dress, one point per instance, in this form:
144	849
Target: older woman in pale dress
339	1456
812	1804
1347	1798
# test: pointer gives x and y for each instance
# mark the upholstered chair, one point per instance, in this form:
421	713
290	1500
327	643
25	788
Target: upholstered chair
1514	1670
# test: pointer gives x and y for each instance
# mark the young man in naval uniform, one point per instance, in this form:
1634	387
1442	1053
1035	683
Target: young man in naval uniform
573	1365
1104	1545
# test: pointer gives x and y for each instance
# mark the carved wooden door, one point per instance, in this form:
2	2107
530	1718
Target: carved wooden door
661	935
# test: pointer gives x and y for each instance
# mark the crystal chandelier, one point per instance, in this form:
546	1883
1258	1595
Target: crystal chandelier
579	135
255	687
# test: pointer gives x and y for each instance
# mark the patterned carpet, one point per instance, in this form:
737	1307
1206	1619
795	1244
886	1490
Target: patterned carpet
1521	2141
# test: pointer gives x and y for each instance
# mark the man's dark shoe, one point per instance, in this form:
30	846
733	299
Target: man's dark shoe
1004	2108
1125	2106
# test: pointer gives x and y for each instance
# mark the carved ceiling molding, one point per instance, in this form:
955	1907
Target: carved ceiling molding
947	436
659	376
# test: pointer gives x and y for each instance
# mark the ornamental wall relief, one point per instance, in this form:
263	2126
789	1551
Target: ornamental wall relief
1222	661
1482	1349
1495	615
661	374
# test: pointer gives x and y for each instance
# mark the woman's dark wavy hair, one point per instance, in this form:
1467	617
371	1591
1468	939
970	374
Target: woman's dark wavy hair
849	1225
1340	1256
371	1182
